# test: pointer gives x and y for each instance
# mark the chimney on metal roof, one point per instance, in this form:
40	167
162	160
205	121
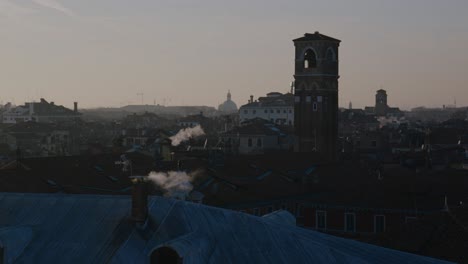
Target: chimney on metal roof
75	107
139	198
251	99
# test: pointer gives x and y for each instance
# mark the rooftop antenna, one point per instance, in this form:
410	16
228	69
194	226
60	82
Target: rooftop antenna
126	164
141	94
446	208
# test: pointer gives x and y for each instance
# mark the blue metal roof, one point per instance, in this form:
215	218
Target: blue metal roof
60	228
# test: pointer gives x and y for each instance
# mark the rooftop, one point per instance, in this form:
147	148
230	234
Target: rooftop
52	228
315	36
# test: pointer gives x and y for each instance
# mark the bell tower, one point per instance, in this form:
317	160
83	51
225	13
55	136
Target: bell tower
316	94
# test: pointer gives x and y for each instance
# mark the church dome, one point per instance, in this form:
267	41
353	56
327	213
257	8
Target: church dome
228	106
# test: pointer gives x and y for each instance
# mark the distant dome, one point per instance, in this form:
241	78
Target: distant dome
228	106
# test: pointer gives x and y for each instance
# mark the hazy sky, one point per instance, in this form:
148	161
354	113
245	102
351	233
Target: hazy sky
104	52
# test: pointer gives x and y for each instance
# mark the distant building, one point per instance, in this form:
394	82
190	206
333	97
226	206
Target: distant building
276	108
228	106
316	94
258	137
381	107
42	111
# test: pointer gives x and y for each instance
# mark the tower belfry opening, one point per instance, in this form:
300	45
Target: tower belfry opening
310	59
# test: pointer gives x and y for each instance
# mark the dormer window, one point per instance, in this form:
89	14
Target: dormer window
310	59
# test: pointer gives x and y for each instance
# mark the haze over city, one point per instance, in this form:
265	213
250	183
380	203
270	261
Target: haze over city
104	53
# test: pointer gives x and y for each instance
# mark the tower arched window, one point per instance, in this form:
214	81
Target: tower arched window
310	59
330	56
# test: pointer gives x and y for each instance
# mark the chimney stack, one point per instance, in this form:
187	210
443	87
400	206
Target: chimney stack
251	99
139	198
75	107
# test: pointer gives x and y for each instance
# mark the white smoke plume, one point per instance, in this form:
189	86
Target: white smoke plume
186	134
176	184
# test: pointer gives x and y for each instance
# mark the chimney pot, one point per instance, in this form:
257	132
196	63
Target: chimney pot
139	198
75	107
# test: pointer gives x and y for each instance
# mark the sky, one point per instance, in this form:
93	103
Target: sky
191	52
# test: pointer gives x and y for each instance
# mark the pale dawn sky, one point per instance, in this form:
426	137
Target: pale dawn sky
105	52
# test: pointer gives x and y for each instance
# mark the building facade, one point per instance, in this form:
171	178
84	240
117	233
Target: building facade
42	112
276	108
316	94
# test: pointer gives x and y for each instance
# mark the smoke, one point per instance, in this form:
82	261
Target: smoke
186	134
176	184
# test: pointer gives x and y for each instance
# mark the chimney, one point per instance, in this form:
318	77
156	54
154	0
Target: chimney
251	99
75	107
139	198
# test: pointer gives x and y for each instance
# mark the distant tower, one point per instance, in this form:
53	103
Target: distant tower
316	94
381	106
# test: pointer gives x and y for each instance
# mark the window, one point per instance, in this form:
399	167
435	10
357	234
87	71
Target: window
278	111
374	143
249	142
308	99
379	223
256	211
271	111
259	142
325	103
314	107
297	99
330	54
350	222
298	210
266	111
284	111
270	209
290	111
310	59
321	220
246	111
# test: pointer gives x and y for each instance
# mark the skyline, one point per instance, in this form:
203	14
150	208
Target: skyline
105	53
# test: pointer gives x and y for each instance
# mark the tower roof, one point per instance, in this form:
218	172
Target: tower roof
315	36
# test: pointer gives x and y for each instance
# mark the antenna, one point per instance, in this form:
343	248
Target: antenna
446	208
141	94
